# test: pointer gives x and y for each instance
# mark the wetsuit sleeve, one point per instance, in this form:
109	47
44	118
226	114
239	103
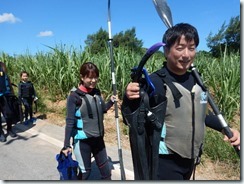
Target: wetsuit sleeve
19	90
34	91
70	119
212	121
108	105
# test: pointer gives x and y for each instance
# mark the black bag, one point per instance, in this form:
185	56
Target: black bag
145	125
67	167
144	134
13	108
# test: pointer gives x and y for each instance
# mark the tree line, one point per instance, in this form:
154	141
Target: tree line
227	40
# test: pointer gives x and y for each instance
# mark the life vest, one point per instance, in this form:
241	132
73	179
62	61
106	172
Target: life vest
90	115
184	127
145	126
4	82
26	89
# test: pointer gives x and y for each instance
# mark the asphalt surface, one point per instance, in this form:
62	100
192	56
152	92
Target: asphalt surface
31	155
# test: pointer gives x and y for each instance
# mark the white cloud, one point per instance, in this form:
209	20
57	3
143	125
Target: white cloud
45	33
8	17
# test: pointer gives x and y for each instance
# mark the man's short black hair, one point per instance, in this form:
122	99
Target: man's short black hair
174	34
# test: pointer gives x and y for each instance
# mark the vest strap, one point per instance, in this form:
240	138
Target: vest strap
176	93
78	128
88	105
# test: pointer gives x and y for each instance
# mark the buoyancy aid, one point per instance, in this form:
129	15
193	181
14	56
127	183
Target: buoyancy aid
145	130
90	115
4	83
183	131
26	89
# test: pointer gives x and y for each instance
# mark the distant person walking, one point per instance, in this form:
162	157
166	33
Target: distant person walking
27	94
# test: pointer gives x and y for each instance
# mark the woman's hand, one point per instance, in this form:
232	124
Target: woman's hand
66	151
114	98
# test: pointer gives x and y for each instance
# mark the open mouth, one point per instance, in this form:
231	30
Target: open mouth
184	61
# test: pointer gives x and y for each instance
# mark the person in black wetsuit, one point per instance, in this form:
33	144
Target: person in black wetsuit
84	123
27	94
183	130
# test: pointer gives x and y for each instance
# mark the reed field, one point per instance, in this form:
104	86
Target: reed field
54	73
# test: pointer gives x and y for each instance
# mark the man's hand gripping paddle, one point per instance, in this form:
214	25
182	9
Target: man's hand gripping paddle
164	13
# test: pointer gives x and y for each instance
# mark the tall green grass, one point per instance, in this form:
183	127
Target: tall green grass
222	77
54	73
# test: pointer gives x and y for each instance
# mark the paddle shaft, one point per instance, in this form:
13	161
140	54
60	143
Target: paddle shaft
110	42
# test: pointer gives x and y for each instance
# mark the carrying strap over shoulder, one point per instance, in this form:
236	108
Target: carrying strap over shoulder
176	93
82	95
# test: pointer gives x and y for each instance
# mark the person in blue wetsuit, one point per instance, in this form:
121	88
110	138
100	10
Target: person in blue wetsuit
6	91
183	130
84	123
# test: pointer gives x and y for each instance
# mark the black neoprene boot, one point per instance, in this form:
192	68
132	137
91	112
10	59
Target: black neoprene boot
11	133
2	137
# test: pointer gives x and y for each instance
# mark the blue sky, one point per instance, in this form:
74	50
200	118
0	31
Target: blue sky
29	25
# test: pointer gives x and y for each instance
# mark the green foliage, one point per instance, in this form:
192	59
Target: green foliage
227	37
97	43
128	40
216	149
55	72
222	76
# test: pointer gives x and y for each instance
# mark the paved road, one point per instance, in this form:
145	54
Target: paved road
31	155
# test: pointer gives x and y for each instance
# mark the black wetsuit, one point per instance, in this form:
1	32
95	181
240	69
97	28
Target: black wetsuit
5	92
26	93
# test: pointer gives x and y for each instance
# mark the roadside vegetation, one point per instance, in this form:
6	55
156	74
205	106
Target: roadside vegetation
56	72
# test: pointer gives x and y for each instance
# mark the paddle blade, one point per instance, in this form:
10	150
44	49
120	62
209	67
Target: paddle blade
164	12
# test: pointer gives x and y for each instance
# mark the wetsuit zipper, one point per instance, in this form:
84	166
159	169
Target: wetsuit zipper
98	117
193	121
